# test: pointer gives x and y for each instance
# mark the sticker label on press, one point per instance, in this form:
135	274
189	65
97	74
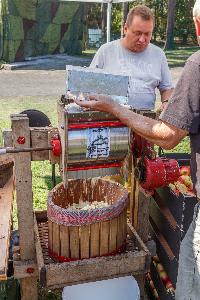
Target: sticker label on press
98	142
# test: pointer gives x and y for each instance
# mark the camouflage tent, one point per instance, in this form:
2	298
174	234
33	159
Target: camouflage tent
39	27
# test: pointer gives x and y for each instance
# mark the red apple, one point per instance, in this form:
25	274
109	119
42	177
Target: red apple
164	277
185	170
190	188
168	284
148	276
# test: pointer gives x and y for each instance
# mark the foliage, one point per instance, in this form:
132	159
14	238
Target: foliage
184	29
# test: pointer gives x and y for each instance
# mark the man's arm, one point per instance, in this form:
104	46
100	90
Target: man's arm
165	96
162	134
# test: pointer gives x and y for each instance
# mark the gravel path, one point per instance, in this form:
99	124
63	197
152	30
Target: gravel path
47	78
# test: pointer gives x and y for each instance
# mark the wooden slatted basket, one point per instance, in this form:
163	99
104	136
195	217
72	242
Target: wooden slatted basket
90	231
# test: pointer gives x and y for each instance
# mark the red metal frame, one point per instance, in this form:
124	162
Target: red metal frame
95	125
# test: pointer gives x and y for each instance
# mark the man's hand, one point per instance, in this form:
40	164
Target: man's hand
98	102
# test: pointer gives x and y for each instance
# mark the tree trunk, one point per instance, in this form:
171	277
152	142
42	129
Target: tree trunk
124	16
188	16
169	44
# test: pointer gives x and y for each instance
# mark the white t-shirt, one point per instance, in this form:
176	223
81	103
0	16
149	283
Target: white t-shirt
148	70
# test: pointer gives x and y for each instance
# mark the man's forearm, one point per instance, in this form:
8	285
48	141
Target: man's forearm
157	132
166	94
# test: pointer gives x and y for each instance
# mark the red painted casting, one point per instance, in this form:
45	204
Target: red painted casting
96	125
102	166
159	172
55	142
21	140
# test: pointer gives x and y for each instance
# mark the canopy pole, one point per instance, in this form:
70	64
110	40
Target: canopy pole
109	12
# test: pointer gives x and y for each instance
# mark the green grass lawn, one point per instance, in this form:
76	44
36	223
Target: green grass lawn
178	56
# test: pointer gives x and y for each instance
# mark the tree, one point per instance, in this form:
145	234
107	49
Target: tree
169	44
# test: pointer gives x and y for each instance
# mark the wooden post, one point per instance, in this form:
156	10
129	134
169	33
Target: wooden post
23	180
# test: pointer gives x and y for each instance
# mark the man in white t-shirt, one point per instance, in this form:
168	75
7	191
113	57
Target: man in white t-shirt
135	56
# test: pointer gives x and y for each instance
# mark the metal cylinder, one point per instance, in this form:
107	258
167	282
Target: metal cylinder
78	144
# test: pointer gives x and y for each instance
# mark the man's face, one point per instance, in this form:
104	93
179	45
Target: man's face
138	34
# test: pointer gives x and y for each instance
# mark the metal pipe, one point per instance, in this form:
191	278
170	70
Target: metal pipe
19	150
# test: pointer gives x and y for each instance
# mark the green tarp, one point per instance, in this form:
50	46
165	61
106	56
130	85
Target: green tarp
39	27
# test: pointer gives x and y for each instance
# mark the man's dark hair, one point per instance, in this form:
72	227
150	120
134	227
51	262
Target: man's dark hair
140	10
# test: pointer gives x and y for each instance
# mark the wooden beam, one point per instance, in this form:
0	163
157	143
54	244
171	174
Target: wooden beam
39	138
25	269
6	197
24	198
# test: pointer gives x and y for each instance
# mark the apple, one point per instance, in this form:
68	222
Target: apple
156	259
190	188
160	267
148	276
152	284
164	277
168	284
185	170
155	293
186	180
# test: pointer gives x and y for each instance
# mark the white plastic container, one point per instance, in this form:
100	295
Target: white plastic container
122	288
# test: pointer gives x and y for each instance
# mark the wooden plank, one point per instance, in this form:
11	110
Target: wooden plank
25	269
39	138
6	196
56	238
136	204
24	198
132	193
85	241
142	226
120	221
94	239
113	235
59	275
7	138
64	241
124	224
74	241
50	234
104	237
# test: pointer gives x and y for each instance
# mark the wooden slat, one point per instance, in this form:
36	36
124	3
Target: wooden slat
85	241
64	241
104	237
56	238
74	242
6	197
142	226
124	224
113	235
39	138
50	234
120	230
94	239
